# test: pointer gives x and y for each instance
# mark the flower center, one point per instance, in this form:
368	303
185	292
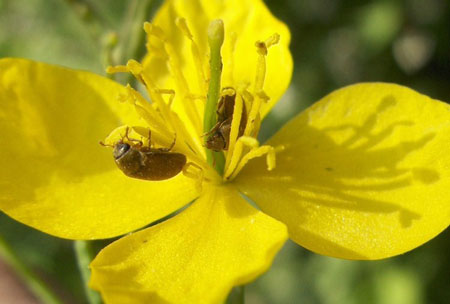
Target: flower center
215	128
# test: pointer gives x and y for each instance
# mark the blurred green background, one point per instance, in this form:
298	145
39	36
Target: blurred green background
334	43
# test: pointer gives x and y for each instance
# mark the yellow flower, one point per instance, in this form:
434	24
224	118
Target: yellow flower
362	174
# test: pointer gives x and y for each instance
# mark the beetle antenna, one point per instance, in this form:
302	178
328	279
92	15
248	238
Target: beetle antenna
126	133
105	145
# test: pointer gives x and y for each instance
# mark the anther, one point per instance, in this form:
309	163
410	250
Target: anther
272	40
228	92
154	30
116	69
134	67
261	48
263	96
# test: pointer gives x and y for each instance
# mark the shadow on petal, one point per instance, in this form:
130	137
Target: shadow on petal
357	174
344	174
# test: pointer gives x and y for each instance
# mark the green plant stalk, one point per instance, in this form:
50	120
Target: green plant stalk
215	40
237	295
95	25
35	284
241	293
85	254
132	37
91	19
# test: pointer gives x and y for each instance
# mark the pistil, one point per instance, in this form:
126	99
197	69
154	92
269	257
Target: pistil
215	40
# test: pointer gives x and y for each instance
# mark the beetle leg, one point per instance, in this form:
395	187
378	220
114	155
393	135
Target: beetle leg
213	129
173	143
171	146
214	161
139	142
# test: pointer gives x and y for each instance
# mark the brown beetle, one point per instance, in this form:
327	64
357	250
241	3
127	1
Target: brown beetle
219	135
138	161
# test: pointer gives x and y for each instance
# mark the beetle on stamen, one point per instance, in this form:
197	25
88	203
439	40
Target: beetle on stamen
144	162
219	135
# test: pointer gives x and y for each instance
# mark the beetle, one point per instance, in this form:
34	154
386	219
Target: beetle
219	135
145	162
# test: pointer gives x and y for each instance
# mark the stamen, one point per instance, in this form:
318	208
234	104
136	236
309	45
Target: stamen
146	111
154	119
235	124
254	113
246	96
182	25
177	75
137	70
170	119
199	65
272	40
260	67
142	106
199	101
253	122
228	92
237	152
196	97
117	69
256	152
134	67
154	30
235	163
159	115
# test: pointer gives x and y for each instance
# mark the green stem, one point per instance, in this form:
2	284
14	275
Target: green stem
95	25
90	18
237	295
35	284
215	40
85	254
241	294
108	45
132	37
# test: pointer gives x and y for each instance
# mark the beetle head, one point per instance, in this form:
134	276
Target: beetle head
120	149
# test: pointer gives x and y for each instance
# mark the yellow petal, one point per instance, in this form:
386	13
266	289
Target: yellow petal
196	257
55	175
365	173
245	22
